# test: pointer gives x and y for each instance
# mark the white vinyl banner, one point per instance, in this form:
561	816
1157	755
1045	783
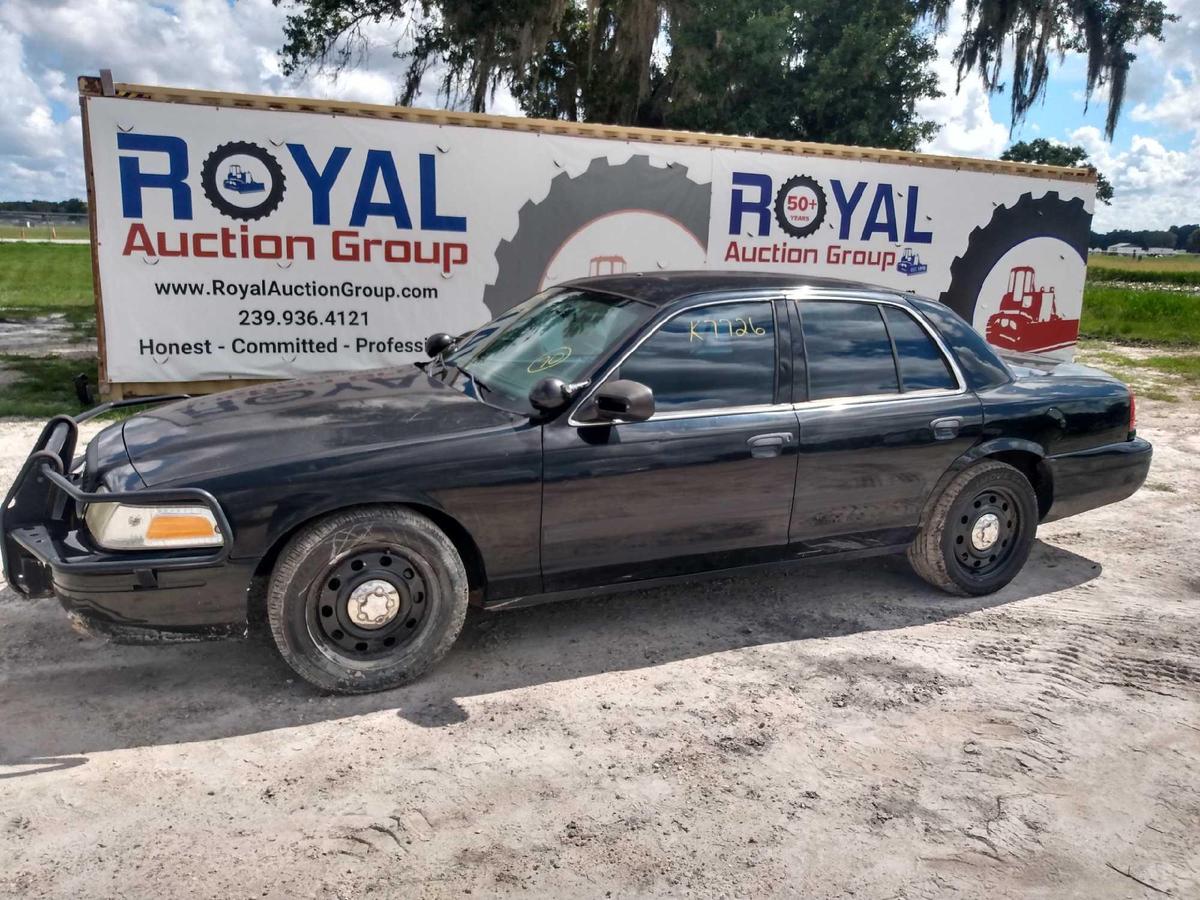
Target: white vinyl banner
245	243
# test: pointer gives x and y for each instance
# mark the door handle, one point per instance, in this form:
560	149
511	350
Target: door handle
767	445
947	428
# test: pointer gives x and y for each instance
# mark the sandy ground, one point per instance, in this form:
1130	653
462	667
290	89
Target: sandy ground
844	731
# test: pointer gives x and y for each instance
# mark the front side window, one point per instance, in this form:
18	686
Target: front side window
710	357
847	349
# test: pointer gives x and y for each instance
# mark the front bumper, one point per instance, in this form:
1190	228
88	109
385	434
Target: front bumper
1097	477
130	595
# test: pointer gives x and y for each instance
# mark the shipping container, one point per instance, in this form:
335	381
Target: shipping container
241	237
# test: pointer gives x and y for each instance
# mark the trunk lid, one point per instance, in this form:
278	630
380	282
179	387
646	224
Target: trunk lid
1033	365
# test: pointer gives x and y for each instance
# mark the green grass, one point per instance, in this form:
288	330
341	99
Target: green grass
44	385
1189	262
37	280
1182	371
45	277
1154	317
43	232
1183	270
1185	367
1143	276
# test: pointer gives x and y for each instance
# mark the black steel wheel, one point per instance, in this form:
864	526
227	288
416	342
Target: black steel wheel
368	604
978	532
367	599
985	532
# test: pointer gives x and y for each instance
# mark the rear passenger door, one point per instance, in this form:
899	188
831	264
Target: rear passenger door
883	412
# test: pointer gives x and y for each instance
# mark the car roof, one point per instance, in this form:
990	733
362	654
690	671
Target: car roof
662	288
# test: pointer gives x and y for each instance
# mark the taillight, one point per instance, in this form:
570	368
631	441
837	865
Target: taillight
1132	414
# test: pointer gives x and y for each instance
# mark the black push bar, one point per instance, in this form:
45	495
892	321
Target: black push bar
35	518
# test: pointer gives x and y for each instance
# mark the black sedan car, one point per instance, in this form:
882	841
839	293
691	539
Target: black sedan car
607	433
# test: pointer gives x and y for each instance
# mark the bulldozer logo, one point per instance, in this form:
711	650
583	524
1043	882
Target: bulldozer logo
910	263
993	284
242	181
1028	320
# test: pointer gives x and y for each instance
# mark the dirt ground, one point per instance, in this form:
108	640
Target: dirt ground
842	731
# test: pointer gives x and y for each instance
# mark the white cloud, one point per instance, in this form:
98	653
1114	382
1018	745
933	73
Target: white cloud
192	43
967	126
1155	187
963	112
35	150
1164	82
1178	107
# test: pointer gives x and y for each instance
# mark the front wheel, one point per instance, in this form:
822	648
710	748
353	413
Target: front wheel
979	531
367	599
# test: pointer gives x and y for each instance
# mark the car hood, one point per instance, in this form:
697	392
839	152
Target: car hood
307	418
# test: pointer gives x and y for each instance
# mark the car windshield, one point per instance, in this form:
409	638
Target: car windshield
558	333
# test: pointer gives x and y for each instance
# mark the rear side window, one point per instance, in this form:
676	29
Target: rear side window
922	366
847	350
710	357
979	363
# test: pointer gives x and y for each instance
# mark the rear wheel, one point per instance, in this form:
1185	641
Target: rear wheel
979	531
367	599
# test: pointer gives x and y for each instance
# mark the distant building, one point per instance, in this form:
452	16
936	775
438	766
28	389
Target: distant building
1139	250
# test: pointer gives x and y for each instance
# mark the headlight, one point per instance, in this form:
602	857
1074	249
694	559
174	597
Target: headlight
116	526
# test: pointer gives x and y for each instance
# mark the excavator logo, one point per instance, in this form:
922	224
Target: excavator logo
1028	320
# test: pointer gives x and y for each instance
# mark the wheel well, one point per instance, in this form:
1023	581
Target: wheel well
1034	468
459	536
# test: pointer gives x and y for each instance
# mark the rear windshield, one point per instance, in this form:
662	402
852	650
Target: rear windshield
979	363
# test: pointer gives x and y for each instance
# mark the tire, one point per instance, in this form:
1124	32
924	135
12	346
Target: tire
392	567
208	181
1047	216
573	202
950	554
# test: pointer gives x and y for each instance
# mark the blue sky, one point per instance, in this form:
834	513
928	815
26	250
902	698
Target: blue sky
1153	161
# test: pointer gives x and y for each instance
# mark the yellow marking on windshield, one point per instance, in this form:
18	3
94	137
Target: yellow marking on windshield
549	360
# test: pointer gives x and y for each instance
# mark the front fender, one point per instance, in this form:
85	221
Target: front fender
484	486
272	523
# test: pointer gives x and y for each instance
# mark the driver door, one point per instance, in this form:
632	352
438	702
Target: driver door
705	482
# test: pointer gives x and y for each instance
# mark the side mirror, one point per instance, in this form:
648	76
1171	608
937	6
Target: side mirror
438	343
630	401
549	394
